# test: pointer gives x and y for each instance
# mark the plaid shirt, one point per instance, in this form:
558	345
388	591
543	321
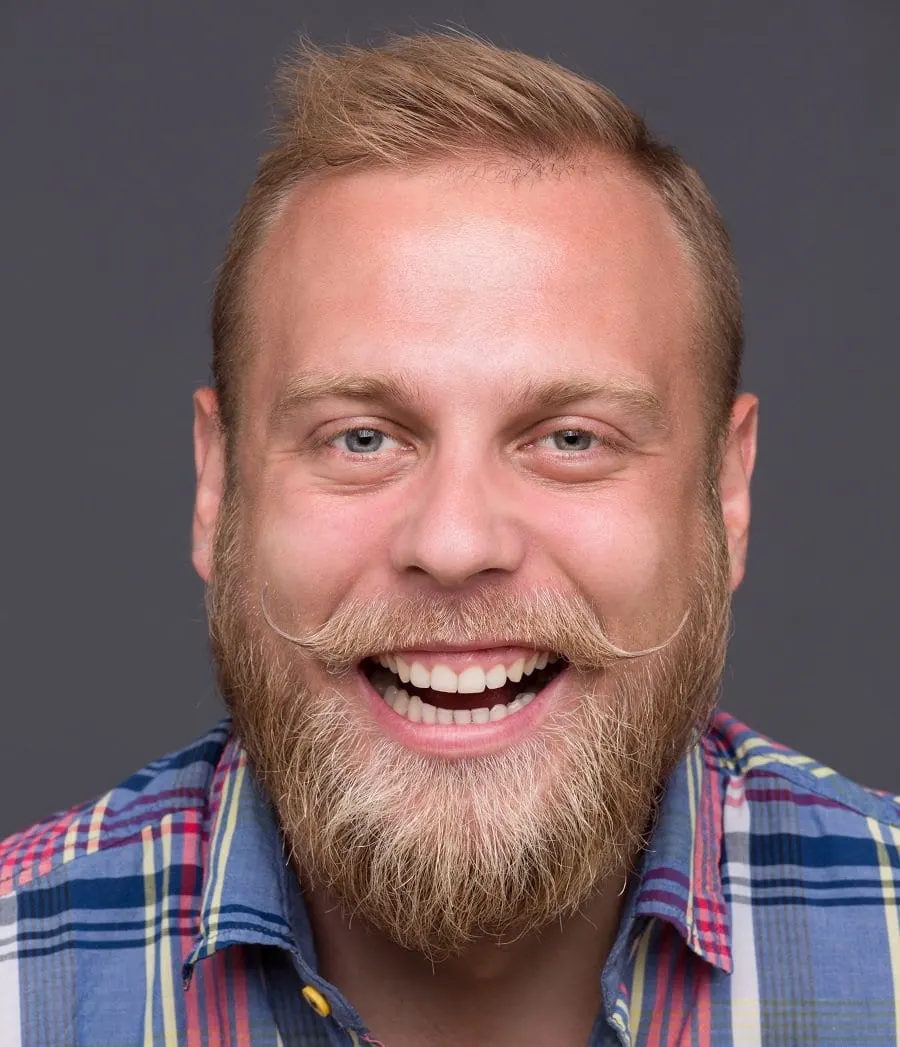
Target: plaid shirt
765	913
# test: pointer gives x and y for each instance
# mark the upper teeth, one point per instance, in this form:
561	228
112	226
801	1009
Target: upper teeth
472	680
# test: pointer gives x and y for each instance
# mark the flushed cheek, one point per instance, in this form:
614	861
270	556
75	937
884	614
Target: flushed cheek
312	553
626	561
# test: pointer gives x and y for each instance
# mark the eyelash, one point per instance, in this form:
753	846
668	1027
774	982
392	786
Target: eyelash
326	441
602	440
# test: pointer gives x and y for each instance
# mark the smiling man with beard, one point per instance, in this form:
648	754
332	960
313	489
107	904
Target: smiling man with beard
472	499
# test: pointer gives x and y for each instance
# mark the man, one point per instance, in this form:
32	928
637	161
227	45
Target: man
472	497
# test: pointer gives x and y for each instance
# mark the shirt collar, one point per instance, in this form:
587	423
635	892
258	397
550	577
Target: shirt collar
247	884
244	897
681	880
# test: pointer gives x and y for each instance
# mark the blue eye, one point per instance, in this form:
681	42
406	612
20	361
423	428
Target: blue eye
572	439
362	441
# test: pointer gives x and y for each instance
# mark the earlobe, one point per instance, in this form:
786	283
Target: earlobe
734	481
209	461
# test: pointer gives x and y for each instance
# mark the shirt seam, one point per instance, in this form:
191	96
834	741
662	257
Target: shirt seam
11	884
882	807
883	810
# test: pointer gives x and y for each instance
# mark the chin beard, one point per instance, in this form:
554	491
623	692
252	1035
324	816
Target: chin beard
437	854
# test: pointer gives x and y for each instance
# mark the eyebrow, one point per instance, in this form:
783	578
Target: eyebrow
402	392
642	403
304	389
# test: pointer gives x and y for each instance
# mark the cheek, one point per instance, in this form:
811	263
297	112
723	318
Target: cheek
625	556
315	552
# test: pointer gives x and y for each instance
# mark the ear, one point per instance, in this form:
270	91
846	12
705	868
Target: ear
209	461
734	481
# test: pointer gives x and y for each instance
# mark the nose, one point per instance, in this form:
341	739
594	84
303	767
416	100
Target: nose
459	526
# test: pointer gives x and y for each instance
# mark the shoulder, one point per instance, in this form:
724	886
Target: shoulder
794	810
809	867
770	771
106	831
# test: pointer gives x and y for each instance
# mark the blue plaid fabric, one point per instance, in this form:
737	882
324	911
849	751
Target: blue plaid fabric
765	913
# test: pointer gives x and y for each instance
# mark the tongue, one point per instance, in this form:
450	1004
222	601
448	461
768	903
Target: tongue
484	700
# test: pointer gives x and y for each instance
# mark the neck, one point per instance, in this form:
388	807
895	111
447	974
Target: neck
541	989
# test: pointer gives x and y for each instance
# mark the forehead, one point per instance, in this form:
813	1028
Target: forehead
457	276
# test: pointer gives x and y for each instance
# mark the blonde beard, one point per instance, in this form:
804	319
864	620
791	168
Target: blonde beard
437	854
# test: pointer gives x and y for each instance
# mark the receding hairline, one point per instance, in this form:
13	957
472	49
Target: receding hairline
480	163
432	98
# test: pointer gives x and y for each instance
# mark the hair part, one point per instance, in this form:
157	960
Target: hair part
454	98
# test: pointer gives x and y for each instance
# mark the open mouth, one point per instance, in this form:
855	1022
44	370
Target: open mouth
482	692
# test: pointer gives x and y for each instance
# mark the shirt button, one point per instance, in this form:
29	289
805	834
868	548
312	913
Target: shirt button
316	1000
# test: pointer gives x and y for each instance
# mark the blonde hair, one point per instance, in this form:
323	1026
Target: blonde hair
448	97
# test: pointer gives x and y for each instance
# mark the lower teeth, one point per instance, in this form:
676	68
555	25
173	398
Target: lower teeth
417	711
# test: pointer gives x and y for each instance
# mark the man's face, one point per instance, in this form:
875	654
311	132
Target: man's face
471	450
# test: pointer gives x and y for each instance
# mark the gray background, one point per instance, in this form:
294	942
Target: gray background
129	132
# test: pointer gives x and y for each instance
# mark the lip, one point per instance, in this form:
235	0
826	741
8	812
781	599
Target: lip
481	647
461	657
456	741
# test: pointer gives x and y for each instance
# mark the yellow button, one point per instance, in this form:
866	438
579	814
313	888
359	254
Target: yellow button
317	1001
